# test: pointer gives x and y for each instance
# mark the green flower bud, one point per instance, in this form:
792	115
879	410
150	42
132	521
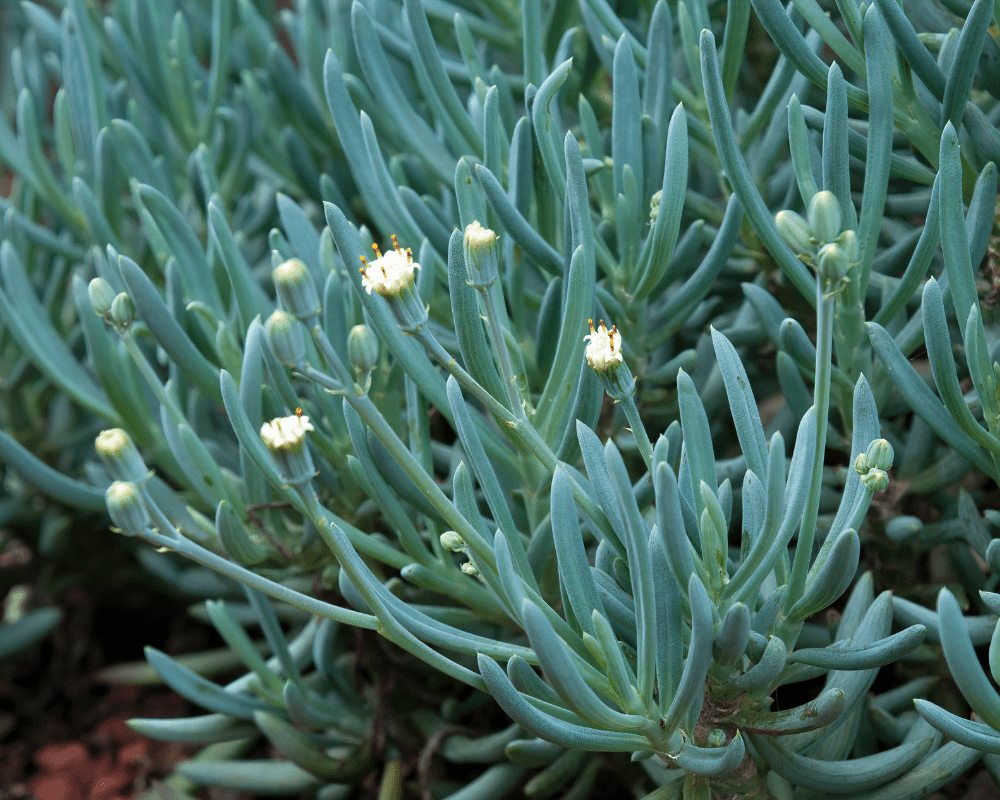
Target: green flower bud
795	231
362	349
654	206
832	262
296	289
286	338
470	569
101	296
875	480
120	456
824	217
482	255
716	738
452	542
127	510
861	465
122	311
286	439
848	241
879	454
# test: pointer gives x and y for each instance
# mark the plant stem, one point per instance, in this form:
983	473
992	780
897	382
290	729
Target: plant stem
638	430
821	400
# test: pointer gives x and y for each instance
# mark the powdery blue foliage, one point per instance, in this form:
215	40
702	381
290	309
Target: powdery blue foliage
331	295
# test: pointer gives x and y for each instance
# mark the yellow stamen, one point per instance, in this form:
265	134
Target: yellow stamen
378	253
395	243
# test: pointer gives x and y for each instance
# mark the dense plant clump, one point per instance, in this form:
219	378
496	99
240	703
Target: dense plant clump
634	366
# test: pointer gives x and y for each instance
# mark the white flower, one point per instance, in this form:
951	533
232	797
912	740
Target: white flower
604	347
389	274
285	432
478	236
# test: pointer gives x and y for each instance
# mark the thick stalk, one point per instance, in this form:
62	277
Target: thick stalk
250	578
500	348
638	430
825	301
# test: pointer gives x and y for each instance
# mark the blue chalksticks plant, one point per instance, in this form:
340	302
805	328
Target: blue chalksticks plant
327	298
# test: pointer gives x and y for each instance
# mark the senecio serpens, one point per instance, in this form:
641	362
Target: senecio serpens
421	444
621	678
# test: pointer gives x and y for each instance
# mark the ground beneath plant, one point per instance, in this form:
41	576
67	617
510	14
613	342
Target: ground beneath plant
62	729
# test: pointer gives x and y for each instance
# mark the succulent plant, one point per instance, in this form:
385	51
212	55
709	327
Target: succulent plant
397	421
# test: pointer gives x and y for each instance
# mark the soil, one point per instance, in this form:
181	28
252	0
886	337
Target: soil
62	730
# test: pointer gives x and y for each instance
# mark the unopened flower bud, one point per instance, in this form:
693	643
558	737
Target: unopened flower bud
452	542
861	465
470	569
482	255
287	340
101	296
824	217
122	311
873	463
285	437
126	508
795	231
716	738
832	262
848	241
296	289
604	354
393	276
654	206
875	480
120	456
362	349
879	454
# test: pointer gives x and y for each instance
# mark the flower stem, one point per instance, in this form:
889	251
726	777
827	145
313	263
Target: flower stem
821	400
638	429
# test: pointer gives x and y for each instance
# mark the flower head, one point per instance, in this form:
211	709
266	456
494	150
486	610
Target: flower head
120	456
284	433
285	437
126	508
286	337
391	274
872	464
604	347
482	255
296	289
